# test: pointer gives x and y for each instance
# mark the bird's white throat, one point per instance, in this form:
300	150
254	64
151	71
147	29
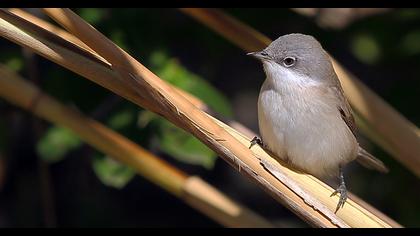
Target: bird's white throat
287	78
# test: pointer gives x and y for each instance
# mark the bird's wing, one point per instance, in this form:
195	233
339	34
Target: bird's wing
364	158
344	108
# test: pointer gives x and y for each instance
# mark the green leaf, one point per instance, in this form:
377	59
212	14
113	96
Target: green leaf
170	70
410	43
14	63
91	15
145	117
177	143
118	37
408	14
121	119
111	172
173	140
184	146
56	143
366	49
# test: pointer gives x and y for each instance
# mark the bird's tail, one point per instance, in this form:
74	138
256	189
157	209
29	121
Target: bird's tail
369	161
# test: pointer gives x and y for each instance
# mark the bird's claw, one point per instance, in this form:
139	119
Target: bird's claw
256	140
343	196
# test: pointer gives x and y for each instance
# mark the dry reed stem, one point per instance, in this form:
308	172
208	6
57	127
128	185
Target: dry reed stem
74	40
391	127
249	164
208	200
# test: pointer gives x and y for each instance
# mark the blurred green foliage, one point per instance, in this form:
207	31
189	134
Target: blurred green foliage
170	70
122	119
174	141
177	143
366	49
12	60
111	172
14	63
410	43
91	15
56	143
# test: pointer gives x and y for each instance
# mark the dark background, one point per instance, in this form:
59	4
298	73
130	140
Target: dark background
383	50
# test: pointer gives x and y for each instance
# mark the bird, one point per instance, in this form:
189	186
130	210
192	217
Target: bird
304	117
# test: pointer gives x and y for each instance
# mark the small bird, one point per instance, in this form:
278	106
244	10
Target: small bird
304	117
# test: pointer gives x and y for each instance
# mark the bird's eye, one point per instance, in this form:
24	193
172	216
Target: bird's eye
289	61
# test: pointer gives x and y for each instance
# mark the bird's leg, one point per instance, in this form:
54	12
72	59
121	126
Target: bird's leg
256	140
341	190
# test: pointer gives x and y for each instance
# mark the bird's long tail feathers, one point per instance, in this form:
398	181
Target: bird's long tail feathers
369	161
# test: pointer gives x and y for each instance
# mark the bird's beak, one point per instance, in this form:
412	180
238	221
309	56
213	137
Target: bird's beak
259	55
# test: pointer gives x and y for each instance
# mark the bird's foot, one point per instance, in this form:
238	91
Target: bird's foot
256	140
342	190
343	196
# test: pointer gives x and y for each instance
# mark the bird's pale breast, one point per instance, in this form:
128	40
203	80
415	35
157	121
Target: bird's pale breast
299	126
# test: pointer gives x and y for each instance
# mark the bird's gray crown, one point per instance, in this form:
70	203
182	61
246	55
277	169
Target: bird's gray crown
293	43
311	58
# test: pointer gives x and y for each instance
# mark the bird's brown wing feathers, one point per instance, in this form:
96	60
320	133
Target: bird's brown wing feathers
364	158
345	110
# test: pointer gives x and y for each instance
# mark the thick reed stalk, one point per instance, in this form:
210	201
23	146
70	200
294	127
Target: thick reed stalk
71	39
